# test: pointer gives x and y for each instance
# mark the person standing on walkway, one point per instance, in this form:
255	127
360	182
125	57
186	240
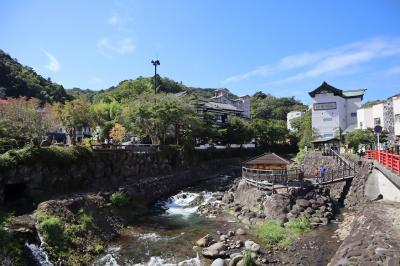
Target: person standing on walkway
322	171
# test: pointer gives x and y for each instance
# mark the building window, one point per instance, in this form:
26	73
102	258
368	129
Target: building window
361	124
377	121
353	114
324	106
328	135
327	119
397	118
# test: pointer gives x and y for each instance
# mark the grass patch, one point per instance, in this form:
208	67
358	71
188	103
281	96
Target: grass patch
119	199
248	259
274	234
300	225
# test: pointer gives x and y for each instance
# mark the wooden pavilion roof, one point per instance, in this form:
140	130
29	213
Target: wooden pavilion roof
267	158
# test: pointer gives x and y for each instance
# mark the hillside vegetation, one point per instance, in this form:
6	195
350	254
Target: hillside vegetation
19	80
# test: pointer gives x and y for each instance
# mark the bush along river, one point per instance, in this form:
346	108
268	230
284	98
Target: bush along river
203	225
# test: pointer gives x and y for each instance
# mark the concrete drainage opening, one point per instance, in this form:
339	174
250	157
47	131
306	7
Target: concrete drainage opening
14	192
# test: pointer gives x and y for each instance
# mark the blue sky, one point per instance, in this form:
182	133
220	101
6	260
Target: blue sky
285	48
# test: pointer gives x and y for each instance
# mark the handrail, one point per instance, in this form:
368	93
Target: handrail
386	158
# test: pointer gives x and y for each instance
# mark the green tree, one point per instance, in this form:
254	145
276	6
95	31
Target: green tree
238	131
269	132
266	106
159	116
363	137
76	114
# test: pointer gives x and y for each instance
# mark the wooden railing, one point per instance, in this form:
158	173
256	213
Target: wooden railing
271	176
386	158
139	148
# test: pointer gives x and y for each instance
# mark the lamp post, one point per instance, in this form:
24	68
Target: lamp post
155	64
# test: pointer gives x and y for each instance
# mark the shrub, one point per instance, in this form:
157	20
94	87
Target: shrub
299	225
119	199
52	229
53	155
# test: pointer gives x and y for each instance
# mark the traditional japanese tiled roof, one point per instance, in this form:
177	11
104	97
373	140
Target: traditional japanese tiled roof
221	106
354	93
337	92
267	158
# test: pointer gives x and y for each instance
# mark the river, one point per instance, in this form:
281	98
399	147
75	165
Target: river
166	235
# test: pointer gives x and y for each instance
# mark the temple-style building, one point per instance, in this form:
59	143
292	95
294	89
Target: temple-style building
334	111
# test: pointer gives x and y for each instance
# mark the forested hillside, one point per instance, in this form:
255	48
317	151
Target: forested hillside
19	80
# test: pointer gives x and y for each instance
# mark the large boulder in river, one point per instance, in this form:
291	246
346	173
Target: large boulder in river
204	241
214	251
276	206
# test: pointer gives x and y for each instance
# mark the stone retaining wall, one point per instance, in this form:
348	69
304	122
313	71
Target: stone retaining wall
107	170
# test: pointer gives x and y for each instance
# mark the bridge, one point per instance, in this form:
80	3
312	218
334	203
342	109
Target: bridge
294	177
384	180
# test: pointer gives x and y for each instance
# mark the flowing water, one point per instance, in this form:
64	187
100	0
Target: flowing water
166	236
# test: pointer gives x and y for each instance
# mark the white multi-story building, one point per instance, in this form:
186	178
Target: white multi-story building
334	110
396	113
290	116
369	117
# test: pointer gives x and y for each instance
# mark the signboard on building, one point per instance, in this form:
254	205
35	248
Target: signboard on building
324	106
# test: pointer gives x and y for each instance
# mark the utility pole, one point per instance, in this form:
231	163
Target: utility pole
155	64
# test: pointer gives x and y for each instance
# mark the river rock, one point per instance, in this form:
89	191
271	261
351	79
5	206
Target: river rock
275	206
214	251
303	203
231	233
255	248
204	241
248	244
240	231
235	259
223	237
315	219
237	208
218	262
228	198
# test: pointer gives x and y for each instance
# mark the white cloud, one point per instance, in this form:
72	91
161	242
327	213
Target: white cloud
115	19
120	47
393	71
53	64
333	61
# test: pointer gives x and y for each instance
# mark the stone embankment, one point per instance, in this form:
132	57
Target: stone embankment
109	170
374	237
253	206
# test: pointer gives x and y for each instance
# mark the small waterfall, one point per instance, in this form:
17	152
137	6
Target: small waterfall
37	256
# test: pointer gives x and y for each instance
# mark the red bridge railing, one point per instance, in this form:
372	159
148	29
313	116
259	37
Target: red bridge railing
388	159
